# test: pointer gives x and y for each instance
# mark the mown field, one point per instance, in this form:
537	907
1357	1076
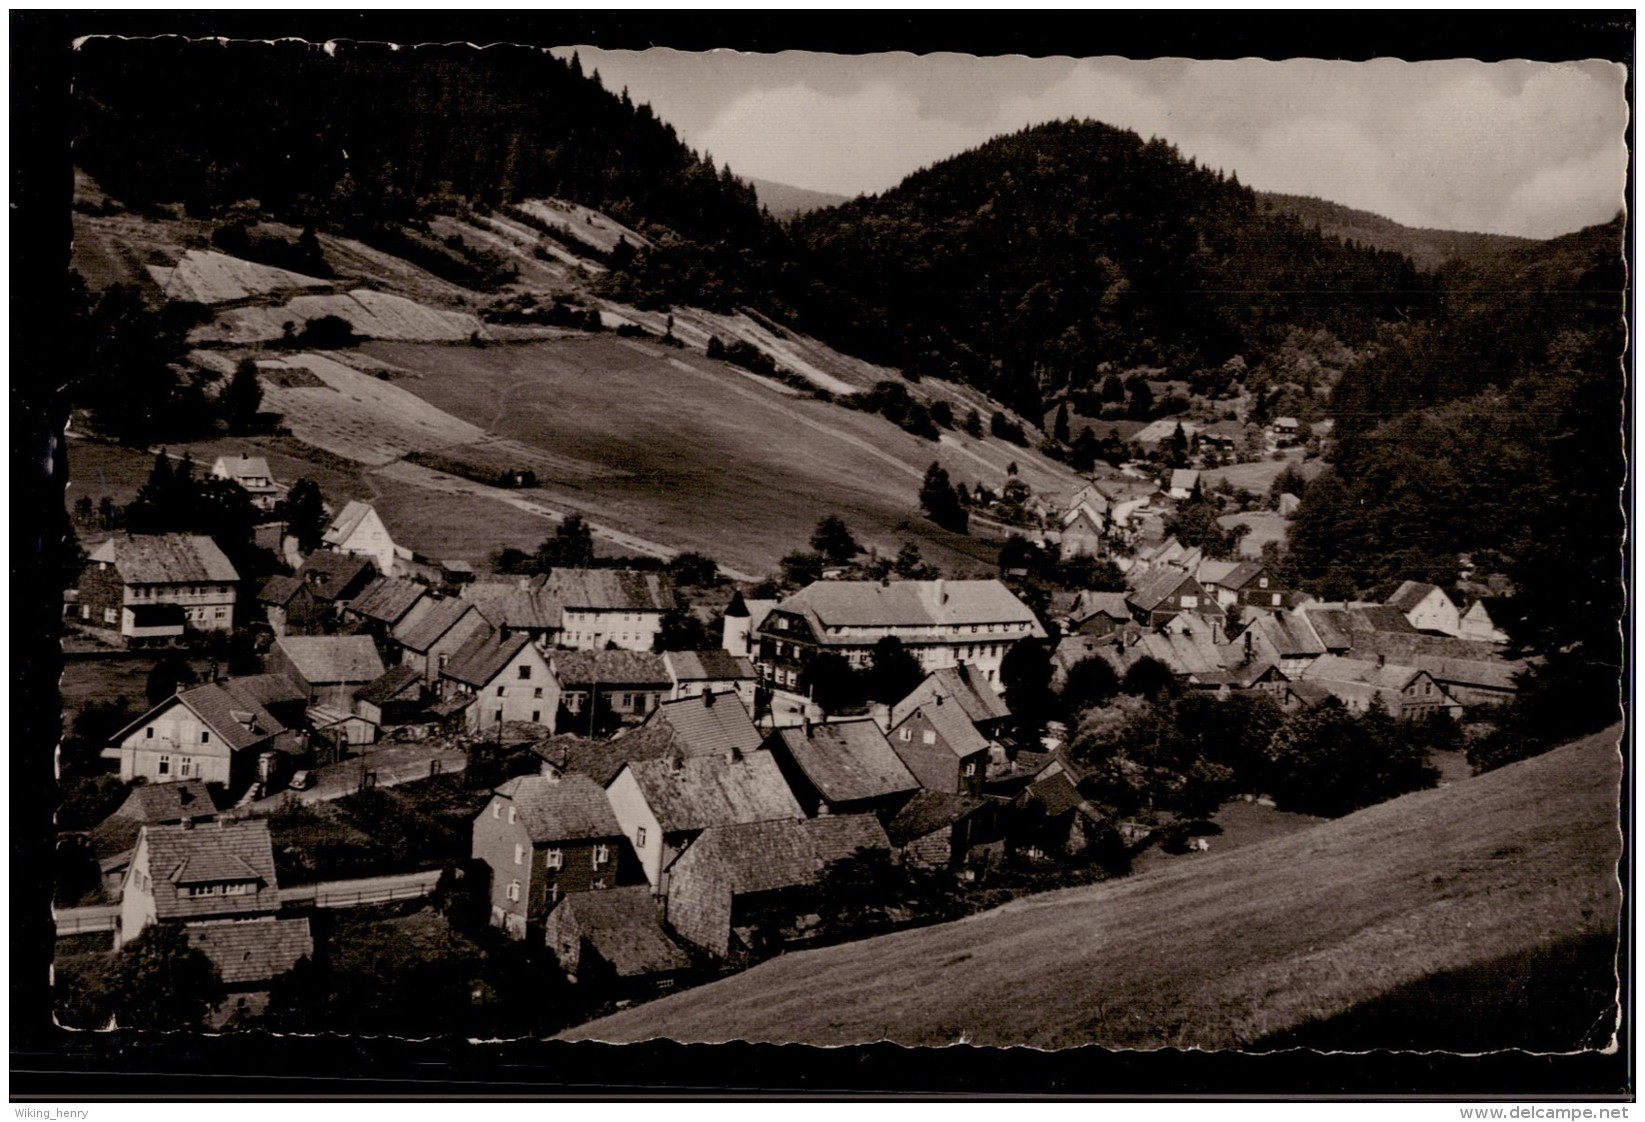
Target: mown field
1479	900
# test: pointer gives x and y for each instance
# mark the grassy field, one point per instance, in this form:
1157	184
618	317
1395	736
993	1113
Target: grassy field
97	469
1458	892
107	679
1259	475
1266	526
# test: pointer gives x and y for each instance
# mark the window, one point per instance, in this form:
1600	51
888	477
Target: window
905	735
639	837
205	737
602	854
536	716
1275	598
1190	601
519	852
514	890
148	733
109	616
187	767
500	690
525	673
496	810
929	736
511	816
554	858
538	692
222	612
971	768
165	765
497	716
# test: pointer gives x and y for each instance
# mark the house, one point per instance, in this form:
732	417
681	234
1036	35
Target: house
1476	623
842	767
943	830
1165	592
1055	817
148	804
326	668
334	579
358	532
248	957
284	700
394	698
941	623
191	874
941	745
1247	583
509	680
691	673
249	473
625	685
1224	435
1427	607
743	618
1287	639
615	940
739	887
1473	681
205	733
543	836
517	604
1191	653
154	588
663	804
1098	613
1286	428
1289	505
707	725
1169	553
1082	528
982	705
290	607
1183	483
615	606
384	603
432	633
1360	684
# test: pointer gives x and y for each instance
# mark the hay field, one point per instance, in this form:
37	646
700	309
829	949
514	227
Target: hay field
1481	884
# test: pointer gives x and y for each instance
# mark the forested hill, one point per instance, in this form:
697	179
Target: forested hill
785	201
1025	263
1428	249
363	134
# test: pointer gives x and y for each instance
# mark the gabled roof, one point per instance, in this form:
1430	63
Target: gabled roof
1110	604
386	600
975	696
509	605
239	722
572	808
848	760
242	467
154	803
245	953
703	726
279	590
166	559
347	522
1479	673
909	603
601	760
479	661
622	590
622	926
264	689
327	659
1156	586
953	726
330	574
1335	668
930	811
1408	595
1214	572
428	621
702	791
707	666
764	856
394	682
225	851
1087	511
1184	479
611	669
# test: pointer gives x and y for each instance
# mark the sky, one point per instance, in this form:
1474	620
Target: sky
1527	148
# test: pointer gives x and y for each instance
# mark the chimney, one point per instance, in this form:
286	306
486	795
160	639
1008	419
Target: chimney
245	456
708	698
807	725
938	698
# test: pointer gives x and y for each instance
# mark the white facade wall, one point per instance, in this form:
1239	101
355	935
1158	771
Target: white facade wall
534	698
590	629
370	539
170	747
136	898
640	825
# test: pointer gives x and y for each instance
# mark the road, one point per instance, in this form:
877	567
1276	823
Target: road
392	763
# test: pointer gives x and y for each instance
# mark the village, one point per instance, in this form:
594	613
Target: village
650	775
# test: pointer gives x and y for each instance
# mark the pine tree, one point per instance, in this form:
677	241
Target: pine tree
939	502
242	398
1059	430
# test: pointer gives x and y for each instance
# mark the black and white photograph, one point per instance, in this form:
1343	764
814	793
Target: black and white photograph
569	539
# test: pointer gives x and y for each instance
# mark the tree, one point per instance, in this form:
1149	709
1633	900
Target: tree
694	570
1142	400
973	424
829	680
1083	456
1151	678
911	566
305	514
1326	761
942	413
939	502
833	540
160	981
681	630
1091	682
802	568
1195	524
1113	390
1059	428
570	547
1178	447
1026	674
893	672
242	398
167	674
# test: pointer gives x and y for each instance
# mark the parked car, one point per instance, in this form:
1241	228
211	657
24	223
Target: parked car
302	781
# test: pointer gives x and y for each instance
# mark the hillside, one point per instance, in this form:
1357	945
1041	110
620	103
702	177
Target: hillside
1443	913
1428	249
784	201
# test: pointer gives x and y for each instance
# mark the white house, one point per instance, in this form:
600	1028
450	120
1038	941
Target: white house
359	532
508	679
252	475
694	673
1427	607
207	733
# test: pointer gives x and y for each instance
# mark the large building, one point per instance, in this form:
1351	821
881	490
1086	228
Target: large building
942	623
153	588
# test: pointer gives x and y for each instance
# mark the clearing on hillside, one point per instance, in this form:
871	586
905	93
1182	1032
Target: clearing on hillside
1516	869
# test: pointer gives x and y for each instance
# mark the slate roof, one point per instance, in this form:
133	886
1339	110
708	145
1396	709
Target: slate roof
1408	595
953	726
930	811
623	590
324	659
601	760
509	605
1110	604
168	802
225	851
1183	479
347	521
581	669
707	666
974	695
908	603
1335	668
246	953
242	467
702	791
700	726
386	600
1156	586
1479	673
571	808
330	575
478	661
264	689
393	682
428	621
166	559
1214	572
764	856
848	760
238	721
621	925
279	590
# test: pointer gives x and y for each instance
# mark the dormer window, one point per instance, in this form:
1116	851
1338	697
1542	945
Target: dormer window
511	816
